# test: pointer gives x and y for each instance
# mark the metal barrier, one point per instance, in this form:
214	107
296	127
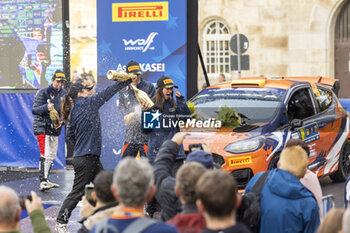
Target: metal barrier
328	203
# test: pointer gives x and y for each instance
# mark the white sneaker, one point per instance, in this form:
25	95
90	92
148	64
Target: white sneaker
53	185
44	186
61	228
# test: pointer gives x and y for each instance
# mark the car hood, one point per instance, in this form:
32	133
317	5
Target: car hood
217	137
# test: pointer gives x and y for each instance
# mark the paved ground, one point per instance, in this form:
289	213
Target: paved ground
24	182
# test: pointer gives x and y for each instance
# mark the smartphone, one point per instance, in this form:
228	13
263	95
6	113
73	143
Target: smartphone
22	199
193	147
88	190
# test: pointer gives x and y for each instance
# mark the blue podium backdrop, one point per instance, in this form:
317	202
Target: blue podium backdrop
153	33
19	147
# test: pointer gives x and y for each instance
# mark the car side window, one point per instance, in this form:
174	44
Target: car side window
300	105
325	99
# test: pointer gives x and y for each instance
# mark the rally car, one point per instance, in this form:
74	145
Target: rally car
272	111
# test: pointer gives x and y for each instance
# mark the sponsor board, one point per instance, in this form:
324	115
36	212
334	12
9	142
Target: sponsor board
142	11
146	67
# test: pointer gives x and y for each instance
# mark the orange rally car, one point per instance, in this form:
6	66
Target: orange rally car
274	110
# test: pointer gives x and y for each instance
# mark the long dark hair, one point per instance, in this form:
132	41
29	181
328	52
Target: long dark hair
68	100
159	99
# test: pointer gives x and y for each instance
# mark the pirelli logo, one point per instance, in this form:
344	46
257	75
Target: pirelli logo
240	161
141	11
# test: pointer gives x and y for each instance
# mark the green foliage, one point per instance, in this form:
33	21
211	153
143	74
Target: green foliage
229	118
193	110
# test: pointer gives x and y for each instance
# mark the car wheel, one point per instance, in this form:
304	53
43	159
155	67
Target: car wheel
344	164
273	162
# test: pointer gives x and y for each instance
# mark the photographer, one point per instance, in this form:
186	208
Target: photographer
163	168
10	212
104	199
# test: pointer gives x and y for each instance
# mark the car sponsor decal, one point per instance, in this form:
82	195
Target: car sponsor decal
309	133
239	161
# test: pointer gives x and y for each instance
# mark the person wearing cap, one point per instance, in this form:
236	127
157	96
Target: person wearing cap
46	100
171	110
165	178
135	140
80	112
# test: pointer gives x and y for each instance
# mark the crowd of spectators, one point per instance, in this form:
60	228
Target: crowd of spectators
199	198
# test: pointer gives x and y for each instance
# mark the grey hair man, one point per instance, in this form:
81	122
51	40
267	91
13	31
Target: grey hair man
133	186
10	212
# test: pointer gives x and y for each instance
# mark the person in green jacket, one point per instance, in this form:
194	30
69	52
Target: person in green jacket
10	212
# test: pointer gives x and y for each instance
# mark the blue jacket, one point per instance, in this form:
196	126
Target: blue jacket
286	205
84	127
42	123
127	104
157	137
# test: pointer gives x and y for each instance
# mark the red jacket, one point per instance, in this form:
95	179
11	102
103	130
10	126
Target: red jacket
188	223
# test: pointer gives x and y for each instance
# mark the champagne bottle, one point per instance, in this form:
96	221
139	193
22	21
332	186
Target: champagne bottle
118	76
142	97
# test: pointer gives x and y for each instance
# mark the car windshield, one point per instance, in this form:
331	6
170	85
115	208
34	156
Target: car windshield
253	104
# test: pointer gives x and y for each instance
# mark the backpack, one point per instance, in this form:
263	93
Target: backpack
249	211
137	226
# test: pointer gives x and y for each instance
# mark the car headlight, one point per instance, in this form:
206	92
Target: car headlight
245	146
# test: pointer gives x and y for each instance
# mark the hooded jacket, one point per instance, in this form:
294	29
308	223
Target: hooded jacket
286	205
42	123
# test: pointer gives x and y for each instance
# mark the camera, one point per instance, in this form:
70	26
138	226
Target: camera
22	201
193	147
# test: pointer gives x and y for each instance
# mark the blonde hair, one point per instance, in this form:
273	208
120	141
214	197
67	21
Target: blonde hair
294	160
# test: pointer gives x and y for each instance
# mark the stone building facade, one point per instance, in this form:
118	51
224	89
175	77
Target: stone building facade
286	38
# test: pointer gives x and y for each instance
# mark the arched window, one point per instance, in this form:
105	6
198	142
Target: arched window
216	48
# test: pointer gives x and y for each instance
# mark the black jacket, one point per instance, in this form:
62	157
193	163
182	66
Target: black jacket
84	126
165	182
42	123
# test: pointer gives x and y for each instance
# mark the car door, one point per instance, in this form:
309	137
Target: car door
302	112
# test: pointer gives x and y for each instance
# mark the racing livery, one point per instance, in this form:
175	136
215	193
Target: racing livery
274	110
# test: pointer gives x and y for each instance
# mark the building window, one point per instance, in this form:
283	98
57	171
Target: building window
216	48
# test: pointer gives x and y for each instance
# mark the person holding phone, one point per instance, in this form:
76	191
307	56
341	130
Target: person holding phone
10	210
80	111
101	194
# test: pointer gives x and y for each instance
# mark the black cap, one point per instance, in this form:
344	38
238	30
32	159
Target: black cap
165	82
133	67
59	76
78	86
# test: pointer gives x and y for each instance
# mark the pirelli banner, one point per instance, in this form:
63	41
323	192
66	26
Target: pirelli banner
153	33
